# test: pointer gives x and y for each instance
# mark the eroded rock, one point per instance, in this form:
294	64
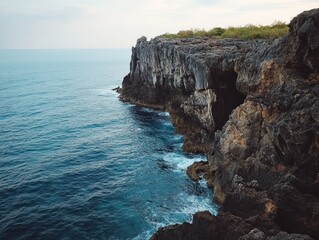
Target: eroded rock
252	106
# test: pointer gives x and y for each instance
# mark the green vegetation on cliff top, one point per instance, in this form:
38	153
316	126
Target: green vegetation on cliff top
275	30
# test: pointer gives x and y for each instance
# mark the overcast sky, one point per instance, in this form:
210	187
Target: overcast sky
118	23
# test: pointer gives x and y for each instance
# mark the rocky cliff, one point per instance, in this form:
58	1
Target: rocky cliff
253	107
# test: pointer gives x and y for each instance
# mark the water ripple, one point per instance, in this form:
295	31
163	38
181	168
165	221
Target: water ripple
76	163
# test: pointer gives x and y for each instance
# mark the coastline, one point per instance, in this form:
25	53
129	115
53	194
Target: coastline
252	107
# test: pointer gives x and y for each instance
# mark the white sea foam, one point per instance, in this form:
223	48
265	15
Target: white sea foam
188	205
180	161
169	124
144	235
202	182
163	113
147	109
178	145
192	204
106	91
178	137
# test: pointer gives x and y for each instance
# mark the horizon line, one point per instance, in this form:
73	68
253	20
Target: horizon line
65	48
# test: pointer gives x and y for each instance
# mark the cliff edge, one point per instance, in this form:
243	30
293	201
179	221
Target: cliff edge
253	107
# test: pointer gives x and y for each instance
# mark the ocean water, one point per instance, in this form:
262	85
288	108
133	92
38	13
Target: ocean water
75	162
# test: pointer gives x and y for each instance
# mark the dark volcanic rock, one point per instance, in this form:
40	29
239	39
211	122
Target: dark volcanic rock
253	106
266	158
205	227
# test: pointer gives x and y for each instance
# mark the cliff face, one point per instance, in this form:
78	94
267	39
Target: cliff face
194	79
253	106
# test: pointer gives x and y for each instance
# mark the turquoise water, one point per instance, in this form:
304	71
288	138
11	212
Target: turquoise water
75	162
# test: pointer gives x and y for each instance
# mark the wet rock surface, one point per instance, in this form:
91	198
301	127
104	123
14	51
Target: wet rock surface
253	107
199	170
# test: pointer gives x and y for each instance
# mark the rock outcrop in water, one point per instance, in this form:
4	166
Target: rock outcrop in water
253	107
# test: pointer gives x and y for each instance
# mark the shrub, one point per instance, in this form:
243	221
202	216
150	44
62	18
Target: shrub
218	31
185	33
274	30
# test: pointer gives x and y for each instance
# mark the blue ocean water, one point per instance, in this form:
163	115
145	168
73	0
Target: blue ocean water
75	162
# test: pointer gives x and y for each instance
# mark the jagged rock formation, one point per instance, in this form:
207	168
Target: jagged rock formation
193	79
253	106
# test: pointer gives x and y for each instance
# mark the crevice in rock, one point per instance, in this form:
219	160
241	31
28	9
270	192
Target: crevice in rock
134	60
305	71
228	97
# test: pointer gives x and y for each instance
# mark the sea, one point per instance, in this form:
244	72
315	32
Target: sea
77	163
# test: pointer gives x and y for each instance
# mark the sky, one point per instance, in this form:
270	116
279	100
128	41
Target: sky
61	24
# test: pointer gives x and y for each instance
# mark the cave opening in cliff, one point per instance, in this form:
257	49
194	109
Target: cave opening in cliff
228	97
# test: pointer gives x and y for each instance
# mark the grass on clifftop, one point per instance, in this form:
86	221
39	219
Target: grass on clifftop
275	30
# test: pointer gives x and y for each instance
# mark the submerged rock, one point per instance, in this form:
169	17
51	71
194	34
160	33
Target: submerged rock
253	107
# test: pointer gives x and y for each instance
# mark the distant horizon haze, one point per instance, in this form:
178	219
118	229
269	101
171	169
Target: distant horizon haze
116	24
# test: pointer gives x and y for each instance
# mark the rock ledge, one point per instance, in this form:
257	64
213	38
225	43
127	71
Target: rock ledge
253	107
